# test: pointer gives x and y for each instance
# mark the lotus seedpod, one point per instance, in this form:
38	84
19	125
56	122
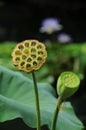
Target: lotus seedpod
67	84
29	55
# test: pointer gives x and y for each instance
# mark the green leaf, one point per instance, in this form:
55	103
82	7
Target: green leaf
17	101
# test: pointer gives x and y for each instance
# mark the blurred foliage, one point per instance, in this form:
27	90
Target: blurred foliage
5	54
61	57
67	57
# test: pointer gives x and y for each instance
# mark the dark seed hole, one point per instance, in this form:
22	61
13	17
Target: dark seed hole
33	56
33	50
39	58
40	52
39	47
26	44
28	66
22	63
33	43
29	59
24	57
35	63
17	59
20	47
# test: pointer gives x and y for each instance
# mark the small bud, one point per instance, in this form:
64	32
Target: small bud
67	84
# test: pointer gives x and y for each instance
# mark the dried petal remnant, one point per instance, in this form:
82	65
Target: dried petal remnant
29	55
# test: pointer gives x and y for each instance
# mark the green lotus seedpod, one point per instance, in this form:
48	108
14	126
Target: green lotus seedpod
67	84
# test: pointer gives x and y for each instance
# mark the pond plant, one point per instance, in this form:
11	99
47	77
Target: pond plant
29	55
17	98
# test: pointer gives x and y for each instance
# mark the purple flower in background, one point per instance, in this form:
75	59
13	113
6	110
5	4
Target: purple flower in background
64	38
50	25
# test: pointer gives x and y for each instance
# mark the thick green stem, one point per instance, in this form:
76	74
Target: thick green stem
55	116
37	101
